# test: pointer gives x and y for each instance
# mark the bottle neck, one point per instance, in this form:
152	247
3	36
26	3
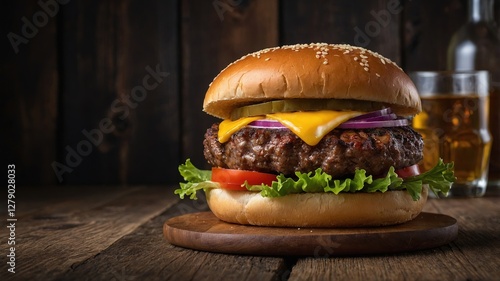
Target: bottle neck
481	10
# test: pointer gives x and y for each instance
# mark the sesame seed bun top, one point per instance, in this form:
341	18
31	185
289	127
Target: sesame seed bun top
311	71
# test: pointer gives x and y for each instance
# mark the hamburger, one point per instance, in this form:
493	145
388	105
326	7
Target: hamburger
313	135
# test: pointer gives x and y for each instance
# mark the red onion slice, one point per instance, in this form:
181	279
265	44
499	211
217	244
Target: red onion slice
267	124
374	119
373	124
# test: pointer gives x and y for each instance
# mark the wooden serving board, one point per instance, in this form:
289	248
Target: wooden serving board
203	231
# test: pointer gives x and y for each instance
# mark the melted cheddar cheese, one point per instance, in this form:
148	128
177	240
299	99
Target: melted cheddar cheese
310	126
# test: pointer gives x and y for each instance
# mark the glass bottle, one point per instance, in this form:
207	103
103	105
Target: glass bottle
476	46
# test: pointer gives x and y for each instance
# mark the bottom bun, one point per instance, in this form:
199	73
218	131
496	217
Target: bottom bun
315	209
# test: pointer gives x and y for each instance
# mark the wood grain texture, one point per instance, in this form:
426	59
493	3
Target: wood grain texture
116	234
429	26
93	53
371	24
88	72
29	79
121	68
145	255
475	254
74	228
214	34
204	231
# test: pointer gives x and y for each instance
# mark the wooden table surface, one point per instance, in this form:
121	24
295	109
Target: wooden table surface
115	233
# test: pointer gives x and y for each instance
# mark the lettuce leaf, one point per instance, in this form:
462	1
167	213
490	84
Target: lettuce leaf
195	178
439	179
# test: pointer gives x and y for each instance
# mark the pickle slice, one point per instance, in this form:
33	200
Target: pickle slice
292	105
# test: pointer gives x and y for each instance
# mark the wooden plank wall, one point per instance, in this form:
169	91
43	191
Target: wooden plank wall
110	92
30	92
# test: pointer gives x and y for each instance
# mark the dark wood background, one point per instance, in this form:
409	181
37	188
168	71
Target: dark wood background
87	57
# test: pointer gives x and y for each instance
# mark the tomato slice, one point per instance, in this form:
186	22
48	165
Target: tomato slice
409	171
235	179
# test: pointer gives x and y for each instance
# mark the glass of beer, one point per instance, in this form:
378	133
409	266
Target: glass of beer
454	126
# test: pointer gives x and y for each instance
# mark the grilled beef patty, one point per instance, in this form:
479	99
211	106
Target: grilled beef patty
339	153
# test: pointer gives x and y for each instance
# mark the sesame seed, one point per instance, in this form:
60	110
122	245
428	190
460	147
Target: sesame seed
378	75
366	68
325	62
267	59
322	50
362	64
